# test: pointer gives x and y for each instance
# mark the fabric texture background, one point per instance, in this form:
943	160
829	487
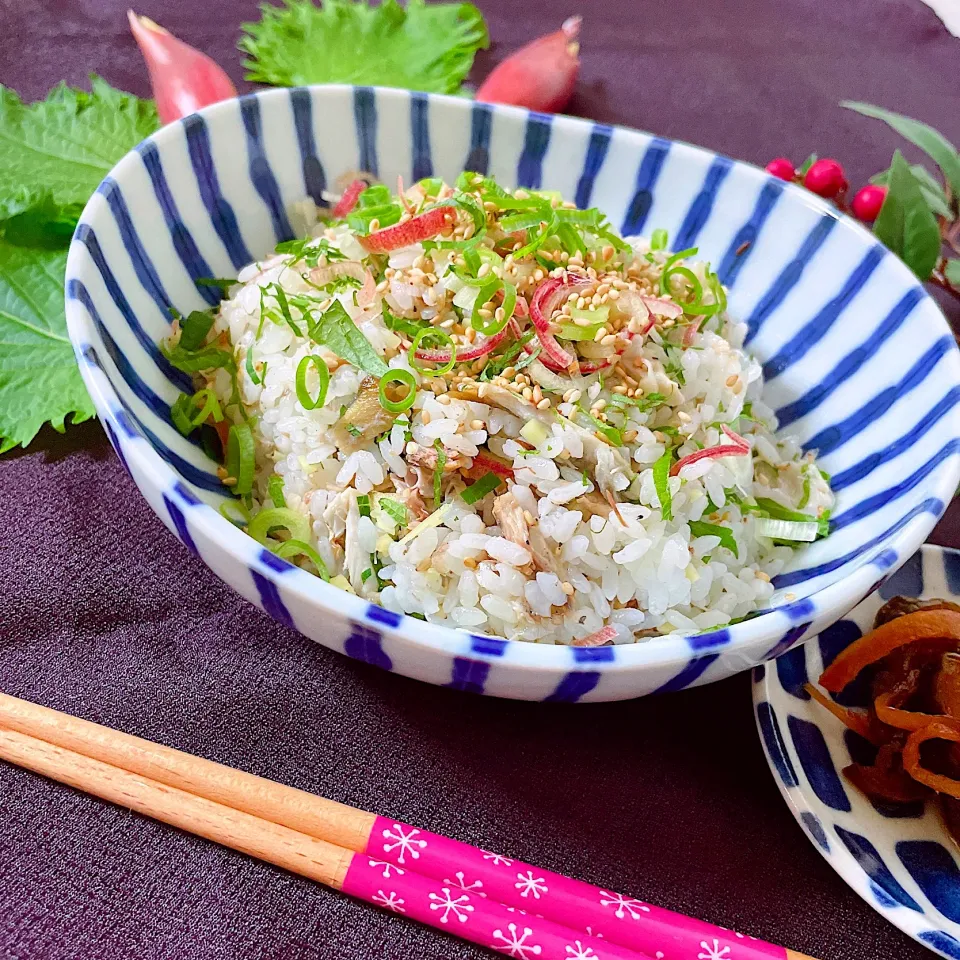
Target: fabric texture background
105	615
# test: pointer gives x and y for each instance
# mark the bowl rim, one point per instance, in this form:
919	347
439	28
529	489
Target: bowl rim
828	603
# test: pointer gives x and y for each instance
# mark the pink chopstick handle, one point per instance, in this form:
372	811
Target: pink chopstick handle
472	915
634	924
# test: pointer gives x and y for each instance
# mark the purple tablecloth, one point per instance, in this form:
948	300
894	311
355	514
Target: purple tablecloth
106	616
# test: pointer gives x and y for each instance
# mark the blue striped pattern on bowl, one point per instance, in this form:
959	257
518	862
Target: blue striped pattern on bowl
898	857
859	361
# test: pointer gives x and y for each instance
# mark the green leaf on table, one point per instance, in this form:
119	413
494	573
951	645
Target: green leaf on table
39	378
421	47
53	155
44	224
906	224
807	164
952	272
65	145
930	141
929	186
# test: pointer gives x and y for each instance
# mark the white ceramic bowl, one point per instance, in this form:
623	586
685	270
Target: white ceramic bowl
898	857
859	361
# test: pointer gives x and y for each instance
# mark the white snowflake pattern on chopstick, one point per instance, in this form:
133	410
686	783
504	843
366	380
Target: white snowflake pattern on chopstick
460	906
476	887
514	943
404	838
529	885
624	905
389	901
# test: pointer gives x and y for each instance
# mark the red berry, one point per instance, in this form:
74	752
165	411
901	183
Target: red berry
825	178
781	167
867	203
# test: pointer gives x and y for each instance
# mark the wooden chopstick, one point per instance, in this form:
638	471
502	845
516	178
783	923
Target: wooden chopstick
267	841
343	830
485	922
287	806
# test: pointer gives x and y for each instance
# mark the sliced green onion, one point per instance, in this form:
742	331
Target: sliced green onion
386	215
787	529
492	326
363	505
573	331
669	266
188	413
718	292
590	217
303	394
658	239
805	499
523	221
661	476
570	240
240	463
591	314
536	243
696	294
700	528
296	548
446	341
506	202
694	305
680	255
482	325
206	358
241	515
275	490
770	508
438	470
489	256
533	431
366	575
707	310
477	491
211	406
476	211
374	196
397	375
469	180
181	412
279	517
472	260
466	297
430	186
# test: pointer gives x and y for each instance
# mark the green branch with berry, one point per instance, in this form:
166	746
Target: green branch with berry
914	212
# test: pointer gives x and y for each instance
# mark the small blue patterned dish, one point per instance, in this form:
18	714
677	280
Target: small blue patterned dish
859	361
899	858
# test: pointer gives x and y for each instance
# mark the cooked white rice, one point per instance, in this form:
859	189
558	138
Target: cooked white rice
545	557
